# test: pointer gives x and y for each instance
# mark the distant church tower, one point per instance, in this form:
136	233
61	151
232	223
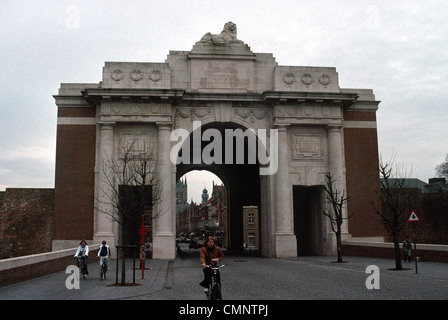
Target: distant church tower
204	196
181	194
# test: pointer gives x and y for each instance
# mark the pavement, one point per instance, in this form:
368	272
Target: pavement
247	278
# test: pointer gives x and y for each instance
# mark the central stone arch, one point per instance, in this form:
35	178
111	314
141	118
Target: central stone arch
241	180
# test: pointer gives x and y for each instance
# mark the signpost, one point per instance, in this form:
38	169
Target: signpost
414	218
143	231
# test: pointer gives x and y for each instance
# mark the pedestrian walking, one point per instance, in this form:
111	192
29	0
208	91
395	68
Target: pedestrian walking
407	247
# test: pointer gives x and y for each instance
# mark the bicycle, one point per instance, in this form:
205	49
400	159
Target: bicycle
80	264
214	287
103	267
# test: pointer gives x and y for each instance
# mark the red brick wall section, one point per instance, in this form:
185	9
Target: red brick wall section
432	210
361	161
76	112
26	217
74	182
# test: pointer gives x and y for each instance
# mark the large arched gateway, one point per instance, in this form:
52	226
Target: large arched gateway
241	176
270	132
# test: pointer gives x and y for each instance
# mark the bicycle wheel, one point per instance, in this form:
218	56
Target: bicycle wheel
79	265
216	292
209	292
103	271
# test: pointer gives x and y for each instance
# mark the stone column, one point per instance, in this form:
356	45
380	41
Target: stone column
285	240
336	163
335	158
164	241
104	226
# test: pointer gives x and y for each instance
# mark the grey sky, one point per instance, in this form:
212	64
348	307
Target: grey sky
397	48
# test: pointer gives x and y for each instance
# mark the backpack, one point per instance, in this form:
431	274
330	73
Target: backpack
103	251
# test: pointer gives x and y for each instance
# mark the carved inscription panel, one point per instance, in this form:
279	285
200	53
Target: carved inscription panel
306	147
136	145
213	75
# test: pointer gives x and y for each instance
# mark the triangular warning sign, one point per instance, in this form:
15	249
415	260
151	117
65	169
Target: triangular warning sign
413	217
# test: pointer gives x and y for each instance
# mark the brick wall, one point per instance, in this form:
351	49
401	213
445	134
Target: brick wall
26	221
432	209
74	182
361	162
386	250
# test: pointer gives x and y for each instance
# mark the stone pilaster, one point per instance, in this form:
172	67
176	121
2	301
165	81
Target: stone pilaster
164	241
336	163
104	210
285	240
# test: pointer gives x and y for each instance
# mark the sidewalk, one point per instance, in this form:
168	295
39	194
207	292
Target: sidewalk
53	286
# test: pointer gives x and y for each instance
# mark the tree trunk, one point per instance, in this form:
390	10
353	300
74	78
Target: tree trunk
339	244
398	265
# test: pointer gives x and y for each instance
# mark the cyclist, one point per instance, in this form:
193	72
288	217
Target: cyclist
83	250
210	255
104	254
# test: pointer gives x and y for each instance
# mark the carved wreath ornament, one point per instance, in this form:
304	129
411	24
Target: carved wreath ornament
117	75
289	78
155	75
136	75
307	79
324	79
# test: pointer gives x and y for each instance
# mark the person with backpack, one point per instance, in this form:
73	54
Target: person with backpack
104	254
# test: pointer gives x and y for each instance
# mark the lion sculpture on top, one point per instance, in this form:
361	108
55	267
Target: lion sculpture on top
228	35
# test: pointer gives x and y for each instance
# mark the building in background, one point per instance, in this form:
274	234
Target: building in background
251	228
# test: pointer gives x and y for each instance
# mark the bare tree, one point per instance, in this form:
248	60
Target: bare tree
442	169
132	189
337	200
397	201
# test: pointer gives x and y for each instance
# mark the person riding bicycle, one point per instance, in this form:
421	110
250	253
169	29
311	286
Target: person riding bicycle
83	250
104	254
210	255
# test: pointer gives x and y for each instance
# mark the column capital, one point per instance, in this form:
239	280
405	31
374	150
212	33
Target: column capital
107	124
164	125
335	126
282	127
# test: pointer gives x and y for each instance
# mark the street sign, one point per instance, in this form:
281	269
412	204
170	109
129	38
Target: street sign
413	217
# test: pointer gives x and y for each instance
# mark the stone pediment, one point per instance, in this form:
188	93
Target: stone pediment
220	63
203	50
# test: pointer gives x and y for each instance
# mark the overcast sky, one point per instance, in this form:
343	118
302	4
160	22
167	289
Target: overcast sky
397	48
